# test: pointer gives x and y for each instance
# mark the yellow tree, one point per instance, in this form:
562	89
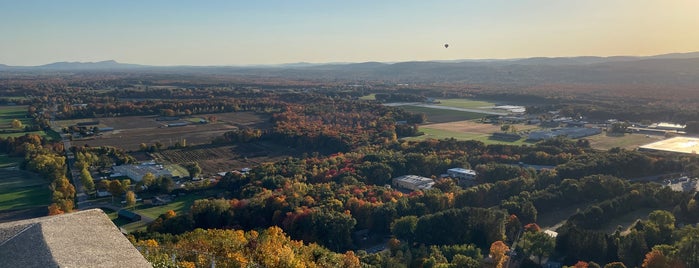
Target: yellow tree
130	199
16	123
498	252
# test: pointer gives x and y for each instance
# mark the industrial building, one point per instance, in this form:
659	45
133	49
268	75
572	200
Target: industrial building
462	173
466	177
413	182
136	172
686	145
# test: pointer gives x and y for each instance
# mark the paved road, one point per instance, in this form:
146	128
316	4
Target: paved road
80	195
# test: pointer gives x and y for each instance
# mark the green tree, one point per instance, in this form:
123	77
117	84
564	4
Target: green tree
404	227
687	249
115	188
148	179
165	184
505	127
86	179
538	244
194	169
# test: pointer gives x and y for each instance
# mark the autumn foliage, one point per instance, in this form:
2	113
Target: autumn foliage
237	248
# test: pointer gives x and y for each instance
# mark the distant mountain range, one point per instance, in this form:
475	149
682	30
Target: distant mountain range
676	69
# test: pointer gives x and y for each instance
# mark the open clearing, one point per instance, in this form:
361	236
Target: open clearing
467	130
9	113
214	159
435	115
129	132
467	104
21	189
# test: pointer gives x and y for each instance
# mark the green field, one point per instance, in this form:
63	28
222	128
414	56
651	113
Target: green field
368	97
438	134
442	115
180	205
465	103
7	161
9	113
627	141
19	134
177	170
21	189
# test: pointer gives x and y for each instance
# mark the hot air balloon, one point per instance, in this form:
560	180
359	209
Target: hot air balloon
446	45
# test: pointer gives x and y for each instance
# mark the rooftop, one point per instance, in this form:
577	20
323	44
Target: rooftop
463	170
81	239
687	145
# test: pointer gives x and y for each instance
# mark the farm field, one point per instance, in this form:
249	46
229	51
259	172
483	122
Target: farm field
20	190
214	159
627	141
9	113
466	103
443	115
129	132
19	134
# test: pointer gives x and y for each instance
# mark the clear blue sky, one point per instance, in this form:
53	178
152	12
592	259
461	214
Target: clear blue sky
267	32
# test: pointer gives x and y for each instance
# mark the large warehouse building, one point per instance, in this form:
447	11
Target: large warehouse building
686	145
413	182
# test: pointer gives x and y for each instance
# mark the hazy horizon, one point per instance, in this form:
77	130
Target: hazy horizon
166	33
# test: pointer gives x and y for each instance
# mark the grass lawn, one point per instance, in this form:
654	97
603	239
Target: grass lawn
19	134
628	141
9	113
442	115
134	226
180	204
465	103
368	97
21	189
431	133
7	161
25	198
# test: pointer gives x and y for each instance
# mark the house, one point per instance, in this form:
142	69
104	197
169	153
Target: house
413	182
85	238
129	215
103	193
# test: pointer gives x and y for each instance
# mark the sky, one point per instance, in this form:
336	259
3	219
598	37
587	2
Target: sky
236	32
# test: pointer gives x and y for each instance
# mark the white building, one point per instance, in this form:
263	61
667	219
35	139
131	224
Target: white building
462	173
668	126
136	172
413	182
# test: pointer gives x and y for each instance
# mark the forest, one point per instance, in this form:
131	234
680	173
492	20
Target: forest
331	204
